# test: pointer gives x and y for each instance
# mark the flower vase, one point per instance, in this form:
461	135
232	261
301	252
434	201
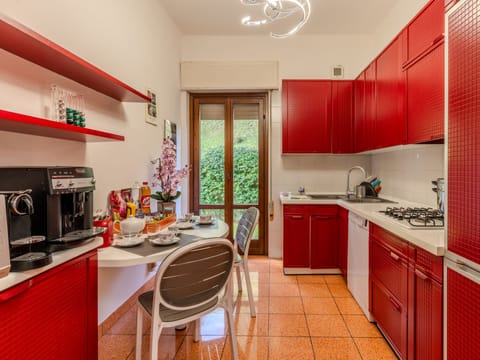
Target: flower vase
166	207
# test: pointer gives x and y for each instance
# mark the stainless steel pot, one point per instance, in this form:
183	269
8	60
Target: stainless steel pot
440	190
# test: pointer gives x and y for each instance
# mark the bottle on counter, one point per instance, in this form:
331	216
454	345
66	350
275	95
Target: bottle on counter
136	196
145	197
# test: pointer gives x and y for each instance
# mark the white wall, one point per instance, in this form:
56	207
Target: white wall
134	41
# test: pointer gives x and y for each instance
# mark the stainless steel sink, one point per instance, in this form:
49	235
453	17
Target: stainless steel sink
367	200
326	196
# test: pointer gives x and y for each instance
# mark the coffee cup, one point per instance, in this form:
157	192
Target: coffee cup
205	218
188	216
165	236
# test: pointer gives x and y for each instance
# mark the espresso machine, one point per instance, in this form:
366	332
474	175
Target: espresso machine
63	202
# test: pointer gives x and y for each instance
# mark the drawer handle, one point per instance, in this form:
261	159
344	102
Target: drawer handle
437	39
297	217
395	304
15	291
394	256
421	275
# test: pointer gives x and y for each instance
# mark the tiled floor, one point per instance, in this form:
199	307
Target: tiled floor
298	317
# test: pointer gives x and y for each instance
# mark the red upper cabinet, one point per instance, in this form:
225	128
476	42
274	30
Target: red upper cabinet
359	140
425	97
426	29
369	130
390	124
342	117
306	113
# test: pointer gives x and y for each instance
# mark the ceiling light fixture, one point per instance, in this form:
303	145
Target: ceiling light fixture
277	10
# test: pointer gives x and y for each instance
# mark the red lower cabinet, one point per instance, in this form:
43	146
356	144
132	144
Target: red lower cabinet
53	315
406	293
324	237
296	251
343	241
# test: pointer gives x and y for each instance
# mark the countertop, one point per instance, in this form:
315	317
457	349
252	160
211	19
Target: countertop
432	241
58	258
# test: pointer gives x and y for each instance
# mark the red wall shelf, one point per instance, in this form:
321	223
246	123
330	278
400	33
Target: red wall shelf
24	42
25	124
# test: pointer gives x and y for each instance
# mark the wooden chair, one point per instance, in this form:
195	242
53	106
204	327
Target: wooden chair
192	281
243	236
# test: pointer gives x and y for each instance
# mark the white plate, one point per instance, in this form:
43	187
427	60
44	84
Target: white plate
157	241
184	225
205	222
124	241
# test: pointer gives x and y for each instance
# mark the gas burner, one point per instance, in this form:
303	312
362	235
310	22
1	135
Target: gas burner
417	217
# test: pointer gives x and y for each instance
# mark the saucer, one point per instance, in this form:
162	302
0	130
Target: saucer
157	241
128	241
184	225
205	222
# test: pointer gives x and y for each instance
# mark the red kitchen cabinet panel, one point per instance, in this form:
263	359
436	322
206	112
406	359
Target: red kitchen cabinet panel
463	309
296	251
342	117
425	97
324	237
53	315
390	315
369	131
343	241
425	315
359	139
463	131
391	126
426	29
306	113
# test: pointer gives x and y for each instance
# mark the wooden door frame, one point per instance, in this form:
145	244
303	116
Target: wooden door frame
263	157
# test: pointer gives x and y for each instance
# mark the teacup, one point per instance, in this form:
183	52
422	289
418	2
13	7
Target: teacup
165	236
205	218
188	216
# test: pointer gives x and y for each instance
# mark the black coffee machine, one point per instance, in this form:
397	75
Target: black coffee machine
25	250
63	201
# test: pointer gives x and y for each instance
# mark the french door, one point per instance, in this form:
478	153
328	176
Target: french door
228	152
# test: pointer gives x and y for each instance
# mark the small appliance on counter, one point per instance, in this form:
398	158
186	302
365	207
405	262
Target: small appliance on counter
4	246
63	198
25	251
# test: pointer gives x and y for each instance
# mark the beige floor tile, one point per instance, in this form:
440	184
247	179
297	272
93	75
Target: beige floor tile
276	266
249	348
255	276
339	290
209	348
314	290
115	347
348	306
335	349
248	326
285	305
334	279
258	289
359	326
325	306
327	326
374	349
167	347
258	265
282	279
308	279
287	325
284	290
290	348
243	306
213	324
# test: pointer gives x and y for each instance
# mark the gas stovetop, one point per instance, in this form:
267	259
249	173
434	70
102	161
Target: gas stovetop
415	218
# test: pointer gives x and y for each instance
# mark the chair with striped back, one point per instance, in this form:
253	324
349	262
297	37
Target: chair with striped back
243	236
192	281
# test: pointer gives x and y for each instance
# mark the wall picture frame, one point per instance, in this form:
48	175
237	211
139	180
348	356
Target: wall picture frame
151	115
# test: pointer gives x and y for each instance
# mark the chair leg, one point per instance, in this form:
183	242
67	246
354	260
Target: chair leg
239	278
138	345
154	337
233	335
249	289
196	330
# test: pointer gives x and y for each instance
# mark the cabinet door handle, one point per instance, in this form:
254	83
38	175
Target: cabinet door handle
297	217
394	256
395	304
15	291
421	275
437	39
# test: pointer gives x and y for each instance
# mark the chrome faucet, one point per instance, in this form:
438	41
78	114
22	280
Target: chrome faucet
352	192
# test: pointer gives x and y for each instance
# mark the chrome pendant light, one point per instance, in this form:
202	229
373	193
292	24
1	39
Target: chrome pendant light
279	9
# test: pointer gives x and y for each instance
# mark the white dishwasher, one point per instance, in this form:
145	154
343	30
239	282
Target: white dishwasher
357	268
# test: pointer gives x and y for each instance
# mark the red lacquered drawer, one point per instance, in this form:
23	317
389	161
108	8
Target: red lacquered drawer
391	317
389	239
293	209
322	209
430	264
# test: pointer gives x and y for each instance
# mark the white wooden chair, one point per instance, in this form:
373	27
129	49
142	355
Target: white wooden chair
192	281
243	236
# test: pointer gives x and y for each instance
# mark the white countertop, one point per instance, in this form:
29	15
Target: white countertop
117	257
58	258
432	241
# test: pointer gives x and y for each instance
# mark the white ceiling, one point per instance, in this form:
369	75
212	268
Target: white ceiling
222	17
